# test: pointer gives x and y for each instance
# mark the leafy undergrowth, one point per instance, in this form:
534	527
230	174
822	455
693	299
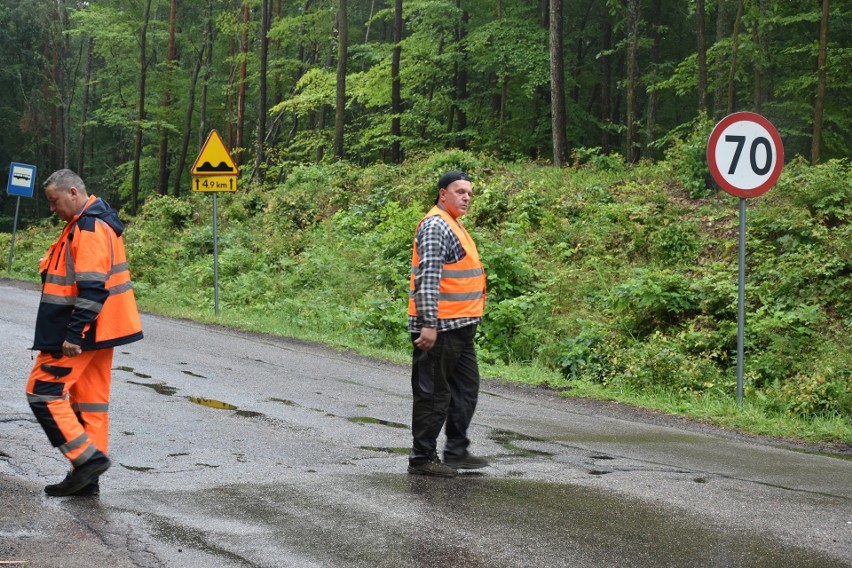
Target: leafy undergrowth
604	280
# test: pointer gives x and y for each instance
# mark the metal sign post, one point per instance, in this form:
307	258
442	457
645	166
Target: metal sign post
21	183
745	155
215	257
213	171
14	232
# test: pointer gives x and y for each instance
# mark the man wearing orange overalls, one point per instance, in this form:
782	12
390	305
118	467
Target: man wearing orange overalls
87	308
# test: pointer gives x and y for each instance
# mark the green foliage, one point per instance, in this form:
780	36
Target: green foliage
654	299
584	356
687	158
609	278
826	192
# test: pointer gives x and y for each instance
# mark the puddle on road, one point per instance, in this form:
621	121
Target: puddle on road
191	374
507	439
385	449
161	388
136	467
212	403
219	405
249	414
371	420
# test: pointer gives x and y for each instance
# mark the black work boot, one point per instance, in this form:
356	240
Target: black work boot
467	461
431	466
79	478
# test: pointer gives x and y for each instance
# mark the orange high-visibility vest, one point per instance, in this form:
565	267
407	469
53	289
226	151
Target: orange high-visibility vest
461	293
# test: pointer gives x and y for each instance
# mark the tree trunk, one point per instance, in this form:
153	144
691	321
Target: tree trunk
53	45
819	105
461	83
633	15
241	96
396	95
243	86
208	74
187	123
229	99
557	85
340	98
66	85
735	44
369	21
163	183
655	61
265	23
702	56
606	82
84	108
137	144
719	75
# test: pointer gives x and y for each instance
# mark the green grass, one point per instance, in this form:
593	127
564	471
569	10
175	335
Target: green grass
724	411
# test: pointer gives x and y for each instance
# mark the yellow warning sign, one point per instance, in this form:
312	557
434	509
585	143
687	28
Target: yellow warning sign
214	158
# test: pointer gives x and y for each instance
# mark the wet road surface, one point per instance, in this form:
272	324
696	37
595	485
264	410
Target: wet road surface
235	449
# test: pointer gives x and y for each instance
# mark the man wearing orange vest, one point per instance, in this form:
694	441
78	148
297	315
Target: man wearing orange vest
87	308
446	302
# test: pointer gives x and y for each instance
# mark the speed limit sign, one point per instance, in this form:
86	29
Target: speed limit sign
745	154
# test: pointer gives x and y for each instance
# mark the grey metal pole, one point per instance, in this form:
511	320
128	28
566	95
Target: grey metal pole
741	304
14	231
215	257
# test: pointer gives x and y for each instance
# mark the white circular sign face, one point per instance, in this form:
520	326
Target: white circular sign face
745	154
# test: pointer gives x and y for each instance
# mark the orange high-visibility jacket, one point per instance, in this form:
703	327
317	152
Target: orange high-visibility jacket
461	292
87	296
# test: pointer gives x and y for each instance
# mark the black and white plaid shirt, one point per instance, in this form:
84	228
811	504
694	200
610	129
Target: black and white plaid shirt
437	245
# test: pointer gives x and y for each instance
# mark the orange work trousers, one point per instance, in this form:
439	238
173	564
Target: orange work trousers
69	397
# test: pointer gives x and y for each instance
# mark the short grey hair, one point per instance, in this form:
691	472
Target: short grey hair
64	180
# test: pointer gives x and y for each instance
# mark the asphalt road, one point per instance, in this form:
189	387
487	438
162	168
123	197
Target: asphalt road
237	449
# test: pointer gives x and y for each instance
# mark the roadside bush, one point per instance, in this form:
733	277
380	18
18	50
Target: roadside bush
659	362
654	299
514	328
820	392
585	356
687	159
166	212
824	190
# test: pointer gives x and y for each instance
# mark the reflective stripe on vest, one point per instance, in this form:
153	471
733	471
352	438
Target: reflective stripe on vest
462	287
118	316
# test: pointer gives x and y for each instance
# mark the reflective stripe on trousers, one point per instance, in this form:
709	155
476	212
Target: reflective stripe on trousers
69	397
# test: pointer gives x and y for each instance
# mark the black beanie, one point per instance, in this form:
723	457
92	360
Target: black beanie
450	177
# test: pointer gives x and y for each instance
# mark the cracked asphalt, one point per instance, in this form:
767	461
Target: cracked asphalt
239	449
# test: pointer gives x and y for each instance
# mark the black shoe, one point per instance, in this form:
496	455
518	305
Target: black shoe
79	478
432	466
93	489
467	461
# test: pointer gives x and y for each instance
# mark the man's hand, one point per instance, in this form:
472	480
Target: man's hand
426	341
70	350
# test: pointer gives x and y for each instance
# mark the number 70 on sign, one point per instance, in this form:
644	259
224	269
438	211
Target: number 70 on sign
745	154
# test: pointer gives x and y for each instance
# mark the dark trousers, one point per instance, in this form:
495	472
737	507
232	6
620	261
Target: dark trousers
445	385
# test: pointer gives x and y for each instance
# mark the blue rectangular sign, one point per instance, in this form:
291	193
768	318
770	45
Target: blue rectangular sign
21	180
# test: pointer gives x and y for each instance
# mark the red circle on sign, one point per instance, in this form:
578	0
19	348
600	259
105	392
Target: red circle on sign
728	181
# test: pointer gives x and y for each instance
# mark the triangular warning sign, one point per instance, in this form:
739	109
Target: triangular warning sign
214	158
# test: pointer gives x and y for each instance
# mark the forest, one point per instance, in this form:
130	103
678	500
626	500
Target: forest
610	252
125	91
